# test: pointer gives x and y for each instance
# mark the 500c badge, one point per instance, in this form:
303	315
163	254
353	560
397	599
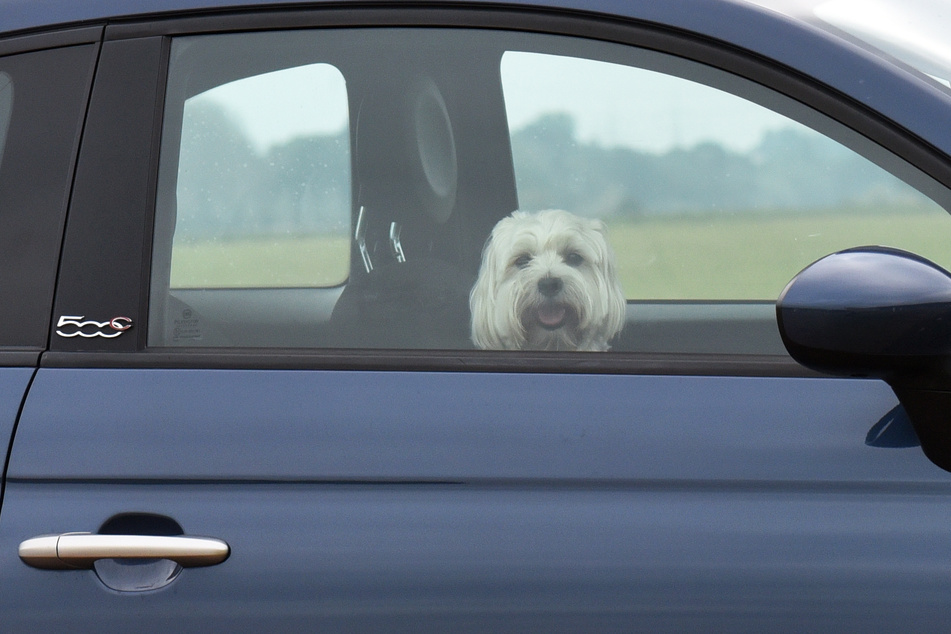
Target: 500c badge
79	326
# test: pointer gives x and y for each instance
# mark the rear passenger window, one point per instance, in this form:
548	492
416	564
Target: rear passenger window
263	188
356	189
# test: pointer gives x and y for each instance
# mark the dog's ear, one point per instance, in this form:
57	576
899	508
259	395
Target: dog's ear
490	330
482	299
596	225
616	315
612	294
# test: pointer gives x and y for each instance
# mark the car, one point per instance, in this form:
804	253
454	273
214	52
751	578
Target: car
241	387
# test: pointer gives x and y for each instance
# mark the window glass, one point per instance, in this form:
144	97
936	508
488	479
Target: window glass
338	188
263	193
706	195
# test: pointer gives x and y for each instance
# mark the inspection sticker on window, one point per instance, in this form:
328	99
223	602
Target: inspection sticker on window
79	326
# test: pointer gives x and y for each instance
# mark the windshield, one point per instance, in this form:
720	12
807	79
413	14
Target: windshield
912	31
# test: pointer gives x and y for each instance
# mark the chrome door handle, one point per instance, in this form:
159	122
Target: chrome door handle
70	551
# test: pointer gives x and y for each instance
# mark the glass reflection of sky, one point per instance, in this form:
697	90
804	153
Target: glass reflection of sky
612	105
616	105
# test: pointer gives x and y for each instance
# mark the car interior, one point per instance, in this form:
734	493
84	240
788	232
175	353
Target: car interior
432	174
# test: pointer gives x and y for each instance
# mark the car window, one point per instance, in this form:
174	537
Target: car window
263	191
470	189
706	195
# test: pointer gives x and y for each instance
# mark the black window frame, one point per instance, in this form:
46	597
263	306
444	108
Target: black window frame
52	74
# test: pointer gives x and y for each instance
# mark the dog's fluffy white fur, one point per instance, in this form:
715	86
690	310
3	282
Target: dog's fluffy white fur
548	281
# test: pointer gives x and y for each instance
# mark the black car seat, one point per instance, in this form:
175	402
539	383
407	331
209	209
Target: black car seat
406	289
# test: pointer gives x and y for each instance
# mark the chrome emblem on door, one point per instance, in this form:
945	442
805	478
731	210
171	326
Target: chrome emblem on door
80	326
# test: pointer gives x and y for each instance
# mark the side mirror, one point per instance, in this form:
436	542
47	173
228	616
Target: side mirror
882	313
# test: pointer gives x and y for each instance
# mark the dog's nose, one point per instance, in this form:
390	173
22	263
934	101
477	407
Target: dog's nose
549	286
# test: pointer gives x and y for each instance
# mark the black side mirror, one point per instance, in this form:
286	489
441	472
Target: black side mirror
883	313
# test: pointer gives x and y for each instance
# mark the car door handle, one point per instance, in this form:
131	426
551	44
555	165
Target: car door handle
70	551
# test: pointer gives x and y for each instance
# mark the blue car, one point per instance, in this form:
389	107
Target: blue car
536	315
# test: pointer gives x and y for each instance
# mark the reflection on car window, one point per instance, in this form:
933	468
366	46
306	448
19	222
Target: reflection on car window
263	183
6	109
469	189
707	196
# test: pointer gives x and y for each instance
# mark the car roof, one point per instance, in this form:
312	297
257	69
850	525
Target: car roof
23	15
776	30
779	30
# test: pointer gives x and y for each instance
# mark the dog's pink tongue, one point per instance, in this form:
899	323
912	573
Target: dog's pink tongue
551	315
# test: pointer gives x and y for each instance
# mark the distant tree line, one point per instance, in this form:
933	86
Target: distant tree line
229	189
789	169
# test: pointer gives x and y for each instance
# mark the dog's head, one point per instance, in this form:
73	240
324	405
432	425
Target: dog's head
548	281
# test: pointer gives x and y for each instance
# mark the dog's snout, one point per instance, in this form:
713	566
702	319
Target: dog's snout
550	286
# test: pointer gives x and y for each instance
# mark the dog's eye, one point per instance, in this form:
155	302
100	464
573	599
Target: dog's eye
523	260
574	259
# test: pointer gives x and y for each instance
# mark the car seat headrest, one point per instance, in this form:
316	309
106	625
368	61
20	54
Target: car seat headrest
438	171
406	152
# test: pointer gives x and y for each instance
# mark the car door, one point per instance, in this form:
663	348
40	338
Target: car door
260	343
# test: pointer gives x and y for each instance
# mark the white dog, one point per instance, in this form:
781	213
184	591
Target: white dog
548	281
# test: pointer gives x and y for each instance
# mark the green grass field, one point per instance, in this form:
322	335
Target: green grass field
751	256
267	262
741	256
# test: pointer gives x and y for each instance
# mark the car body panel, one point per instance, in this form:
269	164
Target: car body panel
591	503
437	557
13	387
419	426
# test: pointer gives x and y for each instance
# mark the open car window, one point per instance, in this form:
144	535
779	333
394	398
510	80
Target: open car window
338	189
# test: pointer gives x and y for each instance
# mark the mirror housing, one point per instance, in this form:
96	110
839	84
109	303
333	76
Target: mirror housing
882	313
